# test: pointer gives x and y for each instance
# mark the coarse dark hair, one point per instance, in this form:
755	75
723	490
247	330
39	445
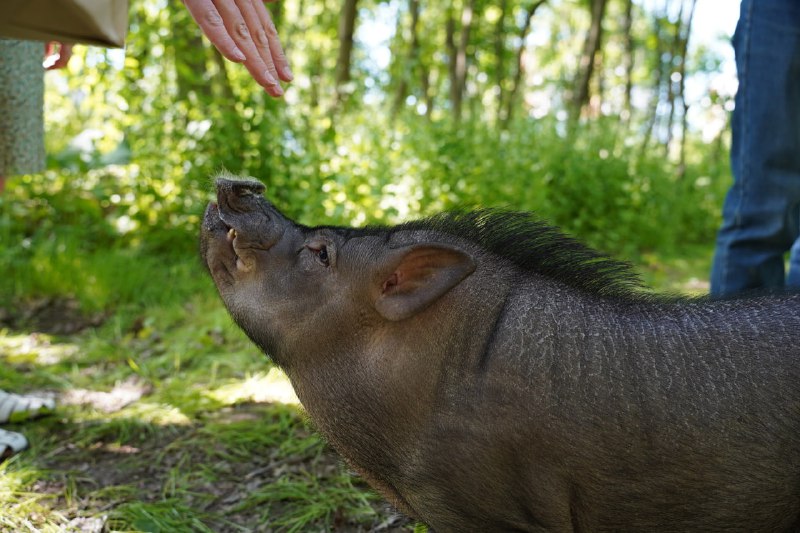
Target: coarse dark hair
530	243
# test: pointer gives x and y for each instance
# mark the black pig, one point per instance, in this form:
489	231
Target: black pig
487	373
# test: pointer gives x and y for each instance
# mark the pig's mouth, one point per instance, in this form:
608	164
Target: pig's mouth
237	229
218	247
232	238
233	248
231	241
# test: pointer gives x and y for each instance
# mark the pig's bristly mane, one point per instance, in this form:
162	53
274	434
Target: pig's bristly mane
537	247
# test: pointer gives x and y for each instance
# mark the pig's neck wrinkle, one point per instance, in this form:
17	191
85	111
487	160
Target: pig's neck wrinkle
489	346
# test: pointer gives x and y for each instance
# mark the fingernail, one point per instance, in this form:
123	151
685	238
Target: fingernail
287	73
274	89
270	78
239	56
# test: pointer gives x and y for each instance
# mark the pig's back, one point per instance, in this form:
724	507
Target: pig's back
647	415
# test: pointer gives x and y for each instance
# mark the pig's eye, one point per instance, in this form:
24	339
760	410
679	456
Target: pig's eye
322	255
320	252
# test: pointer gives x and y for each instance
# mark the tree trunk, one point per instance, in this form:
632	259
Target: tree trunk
450	44
661	70
674	53
411	63
586	65
458	57
687	31
627	62
500	57
523	34
596	100
347	25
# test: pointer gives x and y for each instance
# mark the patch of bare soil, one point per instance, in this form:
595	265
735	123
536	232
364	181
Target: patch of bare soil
55	316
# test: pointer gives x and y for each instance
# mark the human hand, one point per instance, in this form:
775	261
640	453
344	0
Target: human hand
243	32
56	55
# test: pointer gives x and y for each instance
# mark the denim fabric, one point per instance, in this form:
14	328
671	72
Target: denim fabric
761	214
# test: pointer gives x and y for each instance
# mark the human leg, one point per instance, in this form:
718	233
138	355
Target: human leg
793	277
758	216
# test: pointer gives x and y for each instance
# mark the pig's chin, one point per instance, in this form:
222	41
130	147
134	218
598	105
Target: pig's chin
216	249
258	332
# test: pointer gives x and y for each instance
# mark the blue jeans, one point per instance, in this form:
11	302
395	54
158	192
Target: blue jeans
761	214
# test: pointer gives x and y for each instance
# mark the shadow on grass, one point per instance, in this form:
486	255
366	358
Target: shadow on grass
179	425
245	467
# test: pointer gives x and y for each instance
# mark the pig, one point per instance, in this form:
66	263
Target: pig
486	372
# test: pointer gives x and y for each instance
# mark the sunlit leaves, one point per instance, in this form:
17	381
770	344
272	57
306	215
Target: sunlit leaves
170	113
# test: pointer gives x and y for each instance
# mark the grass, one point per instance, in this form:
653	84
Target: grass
683	273
169	418
212	440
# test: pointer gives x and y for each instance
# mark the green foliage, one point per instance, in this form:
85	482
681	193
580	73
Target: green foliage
119	234
100	237
135	141
163	517
215	443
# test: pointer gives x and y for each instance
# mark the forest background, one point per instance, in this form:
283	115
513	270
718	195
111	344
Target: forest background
609	118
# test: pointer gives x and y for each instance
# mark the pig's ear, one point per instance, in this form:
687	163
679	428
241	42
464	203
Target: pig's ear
413	277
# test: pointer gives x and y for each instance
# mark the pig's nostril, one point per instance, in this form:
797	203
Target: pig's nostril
249	190
240	188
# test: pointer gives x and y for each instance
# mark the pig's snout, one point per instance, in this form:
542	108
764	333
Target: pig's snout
247	223
239	188
239	194
240	197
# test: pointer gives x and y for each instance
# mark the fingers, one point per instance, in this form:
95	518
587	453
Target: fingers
244	27
254	40
57	55
208	18
63	56
243	31
275	47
